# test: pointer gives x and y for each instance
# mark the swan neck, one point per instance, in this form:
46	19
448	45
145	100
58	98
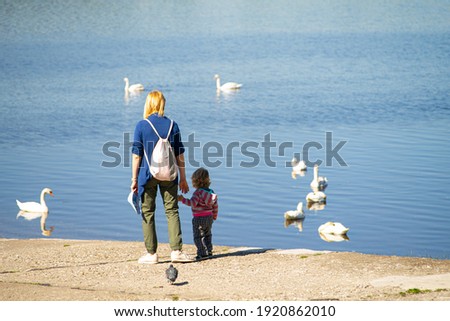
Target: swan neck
43	198
127	84
218	83
316	172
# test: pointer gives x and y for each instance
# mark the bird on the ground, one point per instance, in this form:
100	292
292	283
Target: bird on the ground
171	274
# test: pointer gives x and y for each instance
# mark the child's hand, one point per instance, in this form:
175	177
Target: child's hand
180	197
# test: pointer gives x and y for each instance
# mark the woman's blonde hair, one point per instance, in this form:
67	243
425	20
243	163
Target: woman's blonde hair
154	104
200	178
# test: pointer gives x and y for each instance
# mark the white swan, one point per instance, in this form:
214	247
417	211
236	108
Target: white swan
132	88
36	207
298	167
295	214
318	183
334	228
316	197
227	86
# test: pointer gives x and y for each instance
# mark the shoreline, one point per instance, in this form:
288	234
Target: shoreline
300	250
100	270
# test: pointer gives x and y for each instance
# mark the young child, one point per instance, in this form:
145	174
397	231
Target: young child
204	210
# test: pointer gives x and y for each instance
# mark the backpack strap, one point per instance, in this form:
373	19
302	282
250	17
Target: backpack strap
154	129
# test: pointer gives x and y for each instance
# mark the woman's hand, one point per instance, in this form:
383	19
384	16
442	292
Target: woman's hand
134	187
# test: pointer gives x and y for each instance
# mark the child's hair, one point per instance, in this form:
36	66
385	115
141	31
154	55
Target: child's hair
200	178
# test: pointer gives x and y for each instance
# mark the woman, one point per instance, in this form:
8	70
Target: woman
146	186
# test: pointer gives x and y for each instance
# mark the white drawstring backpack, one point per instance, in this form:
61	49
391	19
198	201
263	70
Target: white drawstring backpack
163	164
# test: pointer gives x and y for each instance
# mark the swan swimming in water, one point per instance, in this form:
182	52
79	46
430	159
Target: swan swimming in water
33	210
334	228
227	86
36	207
318	183
295	214
132	88
316	197
298	167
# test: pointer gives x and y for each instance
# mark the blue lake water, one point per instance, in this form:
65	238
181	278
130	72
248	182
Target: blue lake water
375	77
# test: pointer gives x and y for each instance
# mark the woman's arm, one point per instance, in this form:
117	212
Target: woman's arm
135	164
184	187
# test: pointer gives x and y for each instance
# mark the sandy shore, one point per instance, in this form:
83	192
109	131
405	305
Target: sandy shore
75	270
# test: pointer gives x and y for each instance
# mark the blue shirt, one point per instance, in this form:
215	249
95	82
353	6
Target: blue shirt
145	137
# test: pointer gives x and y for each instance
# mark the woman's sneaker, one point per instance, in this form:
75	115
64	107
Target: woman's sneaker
180	257
148	259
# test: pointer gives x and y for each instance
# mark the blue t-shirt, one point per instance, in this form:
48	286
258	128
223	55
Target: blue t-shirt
145	137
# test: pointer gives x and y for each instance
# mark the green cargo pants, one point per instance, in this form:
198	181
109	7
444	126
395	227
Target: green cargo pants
169	192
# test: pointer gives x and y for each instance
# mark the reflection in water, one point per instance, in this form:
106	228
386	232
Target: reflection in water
333	237
295	174
29	215
223	96
312	206
129	96
298	223
34	215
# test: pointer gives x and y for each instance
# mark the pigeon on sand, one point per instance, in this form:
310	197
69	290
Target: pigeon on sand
171	274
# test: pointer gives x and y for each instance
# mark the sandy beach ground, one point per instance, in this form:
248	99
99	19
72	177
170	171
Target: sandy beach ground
78	270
